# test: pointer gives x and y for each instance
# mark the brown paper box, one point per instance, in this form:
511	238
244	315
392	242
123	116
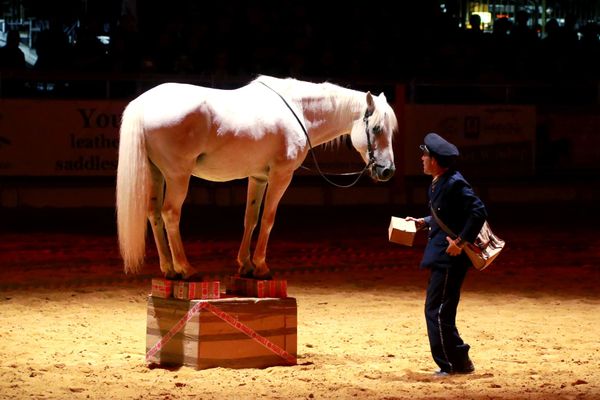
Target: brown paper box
207	341
402	231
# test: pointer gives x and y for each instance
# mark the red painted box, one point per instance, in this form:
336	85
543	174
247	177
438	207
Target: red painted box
196	290
276	288
162	288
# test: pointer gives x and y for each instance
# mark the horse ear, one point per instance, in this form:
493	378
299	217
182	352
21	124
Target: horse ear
370	103
382	97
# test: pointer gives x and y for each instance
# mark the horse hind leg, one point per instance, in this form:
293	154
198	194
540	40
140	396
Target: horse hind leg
176	191
256	192
157	192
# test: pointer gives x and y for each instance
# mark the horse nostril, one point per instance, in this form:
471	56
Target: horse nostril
387	173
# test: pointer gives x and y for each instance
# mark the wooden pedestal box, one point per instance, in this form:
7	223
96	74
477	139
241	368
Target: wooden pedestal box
227	332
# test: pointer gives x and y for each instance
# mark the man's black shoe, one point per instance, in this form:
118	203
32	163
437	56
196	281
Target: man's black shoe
467	368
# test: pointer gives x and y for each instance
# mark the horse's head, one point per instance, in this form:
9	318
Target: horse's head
372	137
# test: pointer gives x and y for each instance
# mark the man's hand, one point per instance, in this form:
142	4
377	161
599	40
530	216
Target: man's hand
454	246
419	222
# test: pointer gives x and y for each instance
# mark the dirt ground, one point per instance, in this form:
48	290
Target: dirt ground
73	326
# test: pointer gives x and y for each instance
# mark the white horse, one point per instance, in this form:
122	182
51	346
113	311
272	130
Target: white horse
262	131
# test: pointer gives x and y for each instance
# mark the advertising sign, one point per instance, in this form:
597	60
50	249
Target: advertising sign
494	140
59	138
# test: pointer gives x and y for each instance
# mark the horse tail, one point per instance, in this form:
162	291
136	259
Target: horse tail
133	188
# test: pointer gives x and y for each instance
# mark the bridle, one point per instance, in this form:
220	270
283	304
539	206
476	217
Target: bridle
372	162
369	166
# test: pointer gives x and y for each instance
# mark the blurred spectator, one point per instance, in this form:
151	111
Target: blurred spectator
525	47
166	49
501	63
552	48
590	50
89	53
11	57
53	50
552	31
569	30
474	33
474	47
521	31
125	46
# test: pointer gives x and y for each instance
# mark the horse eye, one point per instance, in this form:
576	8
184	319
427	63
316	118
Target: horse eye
377	129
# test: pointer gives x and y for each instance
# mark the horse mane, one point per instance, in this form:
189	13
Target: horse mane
343	99
347	99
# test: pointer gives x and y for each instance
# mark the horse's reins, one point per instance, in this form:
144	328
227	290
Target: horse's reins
312	152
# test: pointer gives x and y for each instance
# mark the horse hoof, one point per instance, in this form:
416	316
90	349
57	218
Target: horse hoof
247	274
195	277
267	276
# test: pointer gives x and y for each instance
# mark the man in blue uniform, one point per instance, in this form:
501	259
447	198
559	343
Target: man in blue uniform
453	202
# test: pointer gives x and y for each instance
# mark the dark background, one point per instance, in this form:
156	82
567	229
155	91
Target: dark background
343	41
427	46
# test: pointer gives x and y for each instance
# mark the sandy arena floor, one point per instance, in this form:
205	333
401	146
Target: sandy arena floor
74	326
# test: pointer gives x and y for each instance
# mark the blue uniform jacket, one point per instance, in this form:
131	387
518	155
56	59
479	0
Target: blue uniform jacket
460	209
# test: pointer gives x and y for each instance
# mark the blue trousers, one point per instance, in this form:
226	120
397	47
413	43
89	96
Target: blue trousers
443	294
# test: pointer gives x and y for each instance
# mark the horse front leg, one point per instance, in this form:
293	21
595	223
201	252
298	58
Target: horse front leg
256	192
171	214
277	187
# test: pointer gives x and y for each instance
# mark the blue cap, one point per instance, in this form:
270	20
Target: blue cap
436	144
